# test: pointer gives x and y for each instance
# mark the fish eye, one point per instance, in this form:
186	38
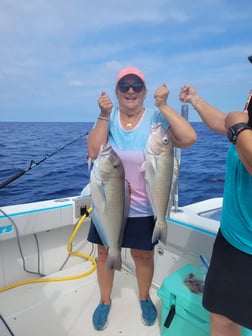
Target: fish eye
165	140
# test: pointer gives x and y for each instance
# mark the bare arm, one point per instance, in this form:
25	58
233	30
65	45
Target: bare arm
180	131
244	148
99	134
244	140
221	122
212	117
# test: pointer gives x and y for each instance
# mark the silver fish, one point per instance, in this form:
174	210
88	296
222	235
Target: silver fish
159	167
110	200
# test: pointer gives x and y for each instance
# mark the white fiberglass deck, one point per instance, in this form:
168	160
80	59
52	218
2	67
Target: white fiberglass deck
65	308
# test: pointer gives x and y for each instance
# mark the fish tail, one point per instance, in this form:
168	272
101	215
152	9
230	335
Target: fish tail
160	232
114	262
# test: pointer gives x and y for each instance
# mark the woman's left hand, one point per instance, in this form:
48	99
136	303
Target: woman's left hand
161	95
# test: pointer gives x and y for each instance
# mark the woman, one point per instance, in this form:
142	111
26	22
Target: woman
127	128
228	291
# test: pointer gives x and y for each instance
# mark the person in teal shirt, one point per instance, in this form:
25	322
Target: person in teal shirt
228	287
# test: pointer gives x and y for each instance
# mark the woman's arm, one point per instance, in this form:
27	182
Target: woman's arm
244	139
212	117
99	134
221	122
180	131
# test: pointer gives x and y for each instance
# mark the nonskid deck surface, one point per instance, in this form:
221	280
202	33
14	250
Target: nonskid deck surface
66	308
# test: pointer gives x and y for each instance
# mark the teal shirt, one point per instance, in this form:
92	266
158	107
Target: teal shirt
236	219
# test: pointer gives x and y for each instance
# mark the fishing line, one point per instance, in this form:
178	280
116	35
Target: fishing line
34	164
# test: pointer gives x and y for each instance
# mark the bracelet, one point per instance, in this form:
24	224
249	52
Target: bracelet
195	101
235	130
103	118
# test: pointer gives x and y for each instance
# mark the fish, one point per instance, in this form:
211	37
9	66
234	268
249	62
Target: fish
110	194
159	167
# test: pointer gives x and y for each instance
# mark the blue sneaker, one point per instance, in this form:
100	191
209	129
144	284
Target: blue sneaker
149	312
100	316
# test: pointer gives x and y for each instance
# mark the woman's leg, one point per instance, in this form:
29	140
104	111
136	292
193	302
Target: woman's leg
105	278
222	326
105	281
144	261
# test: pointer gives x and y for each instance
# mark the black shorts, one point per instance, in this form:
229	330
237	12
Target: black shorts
228	286
137	233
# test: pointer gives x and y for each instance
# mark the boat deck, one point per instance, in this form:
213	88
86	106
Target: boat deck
65	308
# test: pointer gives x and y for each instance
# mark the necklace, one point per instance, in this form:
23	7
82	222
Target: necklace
129	124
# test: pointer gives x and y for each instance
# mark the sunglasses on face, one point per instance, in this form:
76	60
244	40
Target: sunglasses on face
136	87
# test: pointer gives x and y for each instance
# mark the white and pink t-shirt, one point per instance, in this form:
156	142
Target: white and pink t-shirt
130	145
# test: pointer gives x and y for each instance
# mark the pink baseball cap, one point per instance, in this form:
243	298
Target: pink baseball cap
130	71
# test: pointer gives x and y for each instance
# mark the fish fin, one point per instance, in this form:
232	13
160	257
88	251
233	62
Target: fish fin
114	262
102	191
97	187
101	202
142	167
153	164
90	161
160	232
85	191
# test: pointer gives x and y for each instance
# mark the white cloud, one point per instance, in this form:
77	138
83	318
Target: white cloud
56	54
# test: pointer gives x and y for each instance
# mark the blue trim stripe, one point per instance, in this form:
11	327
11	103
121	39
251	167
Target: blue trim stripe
37	210
188	226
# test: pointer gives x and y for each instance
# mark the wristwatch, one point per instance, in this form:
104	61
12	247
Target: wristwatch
235	130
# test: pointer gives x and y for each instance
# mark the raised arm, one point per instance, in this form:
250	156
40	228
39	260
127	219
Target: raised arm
221	122
99	134
180	131
212	117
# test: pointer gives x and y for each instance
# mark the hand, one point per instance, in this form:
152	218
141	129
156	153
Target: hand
105	104
161	95
188	94
233	118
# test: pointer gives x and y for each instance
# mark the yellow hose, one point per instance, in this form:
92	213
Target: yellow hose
76	254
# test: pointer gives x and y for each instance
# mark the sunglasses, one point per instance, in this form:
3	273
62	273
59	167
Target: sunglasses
136	87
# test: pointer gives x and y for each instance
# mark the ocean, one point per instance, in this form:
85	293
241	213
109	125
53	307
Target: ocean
53	158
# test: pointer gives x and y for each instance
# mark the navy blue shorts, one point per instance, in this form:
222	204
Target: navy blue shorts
228	286
137	233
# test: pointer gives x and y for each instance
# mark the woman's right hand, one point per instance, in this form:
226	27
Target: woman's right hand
105	104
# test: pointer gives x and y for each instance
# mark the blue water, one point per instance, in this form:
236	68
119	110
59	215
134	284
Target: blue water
66	172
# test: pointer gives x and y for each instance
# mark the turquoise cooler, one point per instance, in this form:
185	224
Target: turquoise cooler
182	310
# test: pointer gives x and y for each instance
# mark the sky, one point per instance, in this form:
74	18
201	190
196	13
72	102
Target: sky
56	56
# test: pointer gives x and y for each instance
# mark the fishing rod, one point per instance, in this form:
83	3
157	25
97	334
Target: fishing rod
34	164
